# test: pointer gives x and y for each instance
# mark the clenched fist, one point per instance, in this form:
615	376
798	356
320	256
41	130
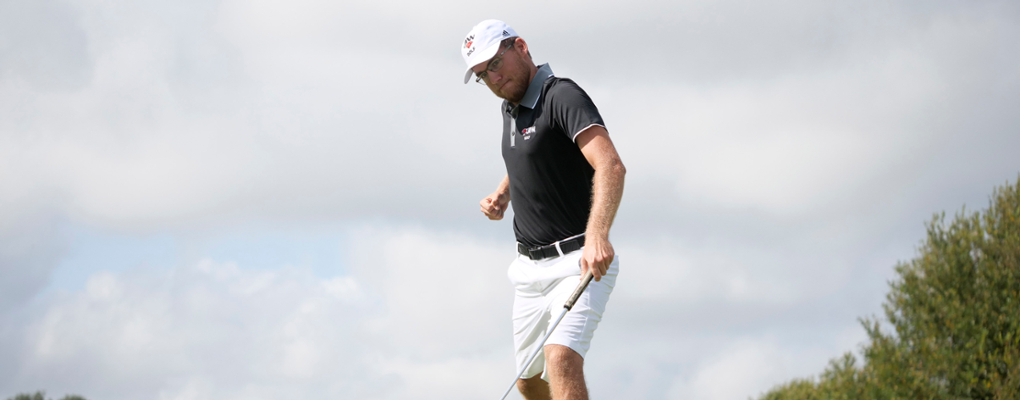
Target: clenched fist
495	205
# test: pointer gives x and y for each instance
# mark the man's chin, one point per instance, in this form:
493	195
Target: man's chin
512	94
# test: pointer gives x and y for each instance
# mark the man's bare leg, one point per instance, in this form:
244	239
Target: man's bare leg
534	388
566	373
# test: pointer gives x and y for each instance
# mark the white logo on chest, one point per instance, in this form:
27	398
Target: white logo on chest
526	132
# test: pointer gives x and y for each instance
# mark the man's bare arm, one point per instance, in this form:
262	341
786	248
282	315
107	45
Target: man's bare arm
607	190
495	204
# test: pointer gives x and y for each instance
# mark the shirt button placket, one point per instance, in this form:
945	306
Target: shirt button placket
513	125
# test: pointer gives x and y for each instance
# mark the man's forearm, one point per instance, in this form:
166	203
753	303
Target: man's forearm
607	190
504	187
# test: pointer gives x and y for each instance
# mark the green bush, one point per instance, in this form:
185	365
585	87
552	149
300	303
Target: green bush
42	396
955	314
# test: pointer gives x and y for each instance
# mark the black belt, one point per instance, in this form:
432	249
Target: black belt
549	250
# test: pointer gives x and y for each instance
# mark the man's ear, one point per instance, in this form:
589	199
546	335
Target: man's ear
522	46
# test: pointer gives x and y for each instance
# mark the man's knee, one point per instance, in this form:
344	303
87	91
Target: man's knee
563	357
566	372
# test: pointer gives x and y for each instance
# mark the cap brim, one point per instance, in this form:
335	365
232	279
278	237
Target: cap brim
482	56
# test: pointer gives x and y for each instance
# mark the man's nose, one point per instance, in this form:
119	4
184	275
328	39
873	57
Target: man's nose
495	77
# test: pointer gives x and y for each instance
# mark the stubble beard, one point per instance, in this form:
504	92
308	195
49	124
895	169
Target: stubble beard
514	90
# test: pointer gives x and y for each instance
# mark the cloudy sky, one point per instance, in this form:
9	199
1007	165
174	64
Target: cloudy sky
272	199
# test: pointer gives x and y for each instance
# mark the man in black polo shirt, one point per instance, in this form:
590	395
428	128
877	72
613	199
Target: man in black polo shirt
566	180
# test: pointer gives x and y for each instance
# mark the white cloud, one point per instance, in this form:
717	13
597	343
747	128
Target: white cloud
240	110
202	331
792	144
744	368
446	287
422	313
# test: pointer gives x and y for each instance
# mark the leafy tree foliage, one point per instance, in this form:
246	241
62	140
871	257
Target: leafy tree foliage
42	396
955	314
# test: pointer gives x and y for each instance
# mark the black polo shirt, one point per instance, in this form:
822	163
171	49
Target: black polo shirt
550	180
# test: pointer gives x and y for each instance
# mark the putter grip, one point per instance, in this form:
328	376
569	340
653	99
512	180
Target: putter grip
580	289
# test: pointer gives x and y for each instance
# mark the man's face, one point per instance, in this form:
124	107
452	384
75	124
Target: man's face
510	81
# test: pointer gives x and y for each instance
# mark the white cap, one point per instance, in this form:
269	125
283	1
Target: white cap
482	43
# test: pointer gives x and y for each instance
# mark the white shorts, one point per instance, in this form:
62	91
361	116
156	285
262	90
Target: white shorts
540	290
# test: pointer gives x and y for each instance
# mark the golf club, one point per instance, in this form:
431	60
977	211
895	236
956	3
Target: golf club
566	307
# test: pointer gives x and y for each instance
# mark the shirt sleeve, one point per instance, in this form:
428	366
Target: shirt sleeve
572	109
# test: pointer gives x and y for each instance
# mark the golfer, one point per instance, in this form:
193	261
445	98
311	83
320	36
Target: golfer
565	180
